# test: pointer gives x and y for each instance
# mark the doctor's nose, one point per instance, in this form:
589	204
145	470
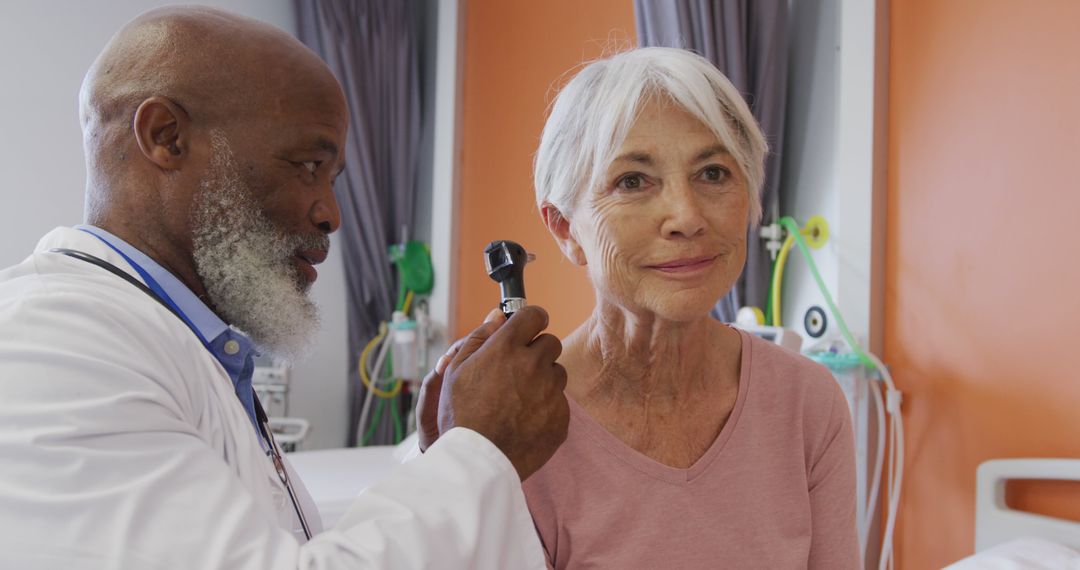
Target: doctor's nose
325	213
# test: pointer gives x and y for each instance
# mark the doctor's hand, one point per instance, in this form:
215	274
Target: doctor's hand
427	401
501	381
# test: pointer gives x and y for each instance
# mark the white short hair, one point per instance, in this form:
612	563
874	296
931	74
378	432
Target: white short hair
592	115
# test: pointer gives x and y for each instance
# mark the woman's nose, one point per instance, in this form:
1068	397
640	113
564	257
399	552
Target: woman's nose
684	216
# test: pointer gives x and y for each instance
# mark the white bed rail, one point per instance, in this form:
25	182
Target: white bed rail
996	523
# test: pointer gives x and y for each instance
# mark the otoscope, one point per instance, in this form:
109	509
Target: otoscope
505	261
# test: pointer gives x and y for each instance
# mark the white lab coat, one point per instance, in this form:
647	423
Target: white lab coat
123	445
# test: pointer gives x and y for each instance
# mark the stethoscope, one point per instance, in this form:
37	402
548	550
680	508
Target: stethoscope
155	292
274	453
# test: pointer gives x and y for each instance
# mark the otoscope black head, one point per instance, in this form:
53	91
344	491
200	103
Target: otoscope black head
505	261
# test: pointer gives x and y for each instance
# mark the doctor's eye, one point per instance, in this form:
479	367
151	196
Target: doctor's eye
311	165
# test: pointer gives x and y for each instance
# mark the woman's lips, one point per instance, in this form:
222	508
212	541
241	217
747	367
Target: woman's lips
686	264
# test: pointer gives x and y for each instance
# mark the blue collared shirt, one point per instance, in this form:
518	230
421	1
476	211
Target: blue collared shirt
233	350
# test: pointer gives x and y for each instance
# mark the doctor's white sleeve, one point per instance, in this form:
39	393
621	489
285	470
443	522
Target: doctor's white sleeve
436	512
108	463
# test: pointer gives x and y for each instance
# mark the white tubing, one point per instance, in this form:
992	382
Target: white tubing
896	453
374	376
879	463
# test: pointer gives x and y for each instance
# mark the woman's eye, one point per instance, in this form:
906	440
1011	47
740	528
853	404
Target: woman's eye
630	182
311	165
715	173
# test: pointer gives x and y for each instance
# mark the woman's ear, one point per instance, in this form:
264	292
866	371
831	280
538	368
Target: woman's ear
161	131
559	227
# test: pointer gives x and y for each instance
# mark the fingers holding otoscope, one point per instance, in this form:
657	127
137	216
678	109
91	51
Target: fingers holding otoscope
503	380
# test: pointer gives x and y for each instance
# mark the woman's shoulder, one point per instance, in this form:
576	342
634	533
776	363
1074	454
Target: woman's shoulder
769	356
790	391
787	374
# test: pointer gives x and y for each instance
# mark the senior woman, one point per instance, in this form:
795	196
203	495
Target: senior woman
691	444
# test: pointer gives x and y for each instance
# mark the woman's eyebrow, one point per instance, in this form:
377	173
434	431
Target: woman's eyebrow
635	156
711	151
645	158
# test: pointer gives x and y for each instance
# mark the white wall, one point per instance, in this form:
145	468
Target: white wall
831	161
833	167
446	157
808	167
45	48
426	14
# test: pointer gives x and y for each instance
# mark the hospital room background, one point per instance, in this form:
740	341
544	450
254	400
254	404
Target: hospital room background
928	152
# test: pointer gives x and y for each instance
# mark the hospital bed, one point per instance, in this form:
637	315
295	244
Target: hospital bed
1007	539
334	477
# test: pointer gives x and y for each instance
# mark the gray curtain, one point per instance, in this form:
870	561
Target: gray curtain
372	48
748	41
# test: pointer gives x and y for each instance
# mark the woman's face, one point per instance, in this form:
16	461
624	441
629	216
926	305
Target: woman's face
666	232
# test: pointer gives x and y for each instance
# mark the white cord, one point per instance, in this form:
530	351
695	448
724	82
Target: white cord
893	399
879	463
374	376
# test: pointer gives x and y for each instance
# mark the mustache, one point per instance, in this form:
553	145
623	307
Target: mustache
307	241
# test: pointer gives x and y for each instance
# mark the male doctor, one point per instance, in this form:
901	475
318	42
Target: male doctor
129	433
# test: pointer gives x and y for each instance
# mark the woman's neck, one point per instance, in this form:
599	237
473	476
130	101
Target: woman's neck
620	357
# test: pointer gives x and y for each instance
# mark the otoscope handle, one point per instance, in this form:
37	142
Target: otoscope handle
513	288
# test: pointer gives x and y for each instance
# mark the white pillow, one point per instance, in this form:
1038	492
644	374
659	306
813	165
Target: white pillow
1022	554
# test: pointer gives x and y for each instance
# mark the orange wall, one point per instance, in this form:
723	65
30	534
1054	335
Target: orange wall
515	52
981	283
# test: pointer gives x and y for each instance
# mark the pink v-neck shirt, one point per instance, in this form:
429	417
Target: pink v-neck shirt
775	490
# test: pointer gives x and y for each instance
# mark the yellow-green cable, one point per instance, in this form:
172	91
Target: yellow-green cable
778	278
793	230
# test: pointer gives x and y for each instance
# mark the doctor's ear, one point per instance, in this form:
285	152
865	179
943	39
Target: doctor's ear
162	132
559	227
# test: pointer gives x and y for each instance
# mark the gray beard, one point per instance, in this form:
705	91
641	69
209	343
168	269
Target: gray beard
246	265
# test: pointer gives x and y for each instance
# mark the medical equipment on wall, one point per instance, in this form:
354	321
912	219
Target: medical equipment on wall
817	233
390	365
270	380
855	370
752	320
505	262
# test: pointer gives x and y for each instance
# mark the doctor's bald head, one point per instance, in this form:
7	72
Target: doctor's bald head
212	142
